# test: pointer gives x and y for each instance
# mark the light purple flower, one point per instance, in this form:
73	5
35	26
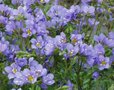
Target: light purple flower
101	38
40	17
111	35
93	22
19	79
109	42
72	50
11	51
28	2
39	70
10	27
17	2
30	76
37	43
32	62
60	41
89	51
70	85
86	9
91	61
41	28
56	2
49	45
12	69
104	62
21	61
95	75
99	49
113	51
16	89
3	20
28	32
76	39
43	1
99	1
48	79
3	47
74	11
85	1
59	15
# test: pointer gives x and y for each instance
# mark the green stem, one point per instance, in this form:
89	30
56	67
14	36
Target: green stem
78	75
33	86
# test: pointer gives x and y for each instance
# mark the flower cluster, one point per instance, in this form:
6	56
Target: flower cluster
42	44
34	70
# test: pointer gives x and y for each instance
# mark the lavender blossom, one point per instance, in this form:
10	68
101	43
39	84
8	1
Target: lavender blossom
39	70
101	38
104	62
70	85
37	43
28	32
21	61
72	50
95	75
76	39
60	41
30	76
11	70
48	79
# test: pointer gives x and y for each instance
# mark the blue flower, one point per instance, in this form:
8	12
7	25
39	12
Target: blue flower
95	75
3	47
17	2
111	35
72	50
101	38
104	62
70	85
99	49
10	27
86	1
19	79
11	70
21	61
43	1
30	76
59	15
32	62
60	41
99	1
28	32
86	9
93	22
48	79
37	43
76	39
39	70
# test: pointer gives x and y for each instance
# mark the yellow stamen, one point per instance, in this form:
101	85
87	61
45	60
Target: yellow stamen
38	44
41	1
30	78
14	70
29	32
74	40
103	63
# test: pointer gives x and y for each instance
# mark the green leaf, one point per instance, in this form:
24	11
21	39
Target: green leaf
86	81
62	88
112	87
38	88
21	54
